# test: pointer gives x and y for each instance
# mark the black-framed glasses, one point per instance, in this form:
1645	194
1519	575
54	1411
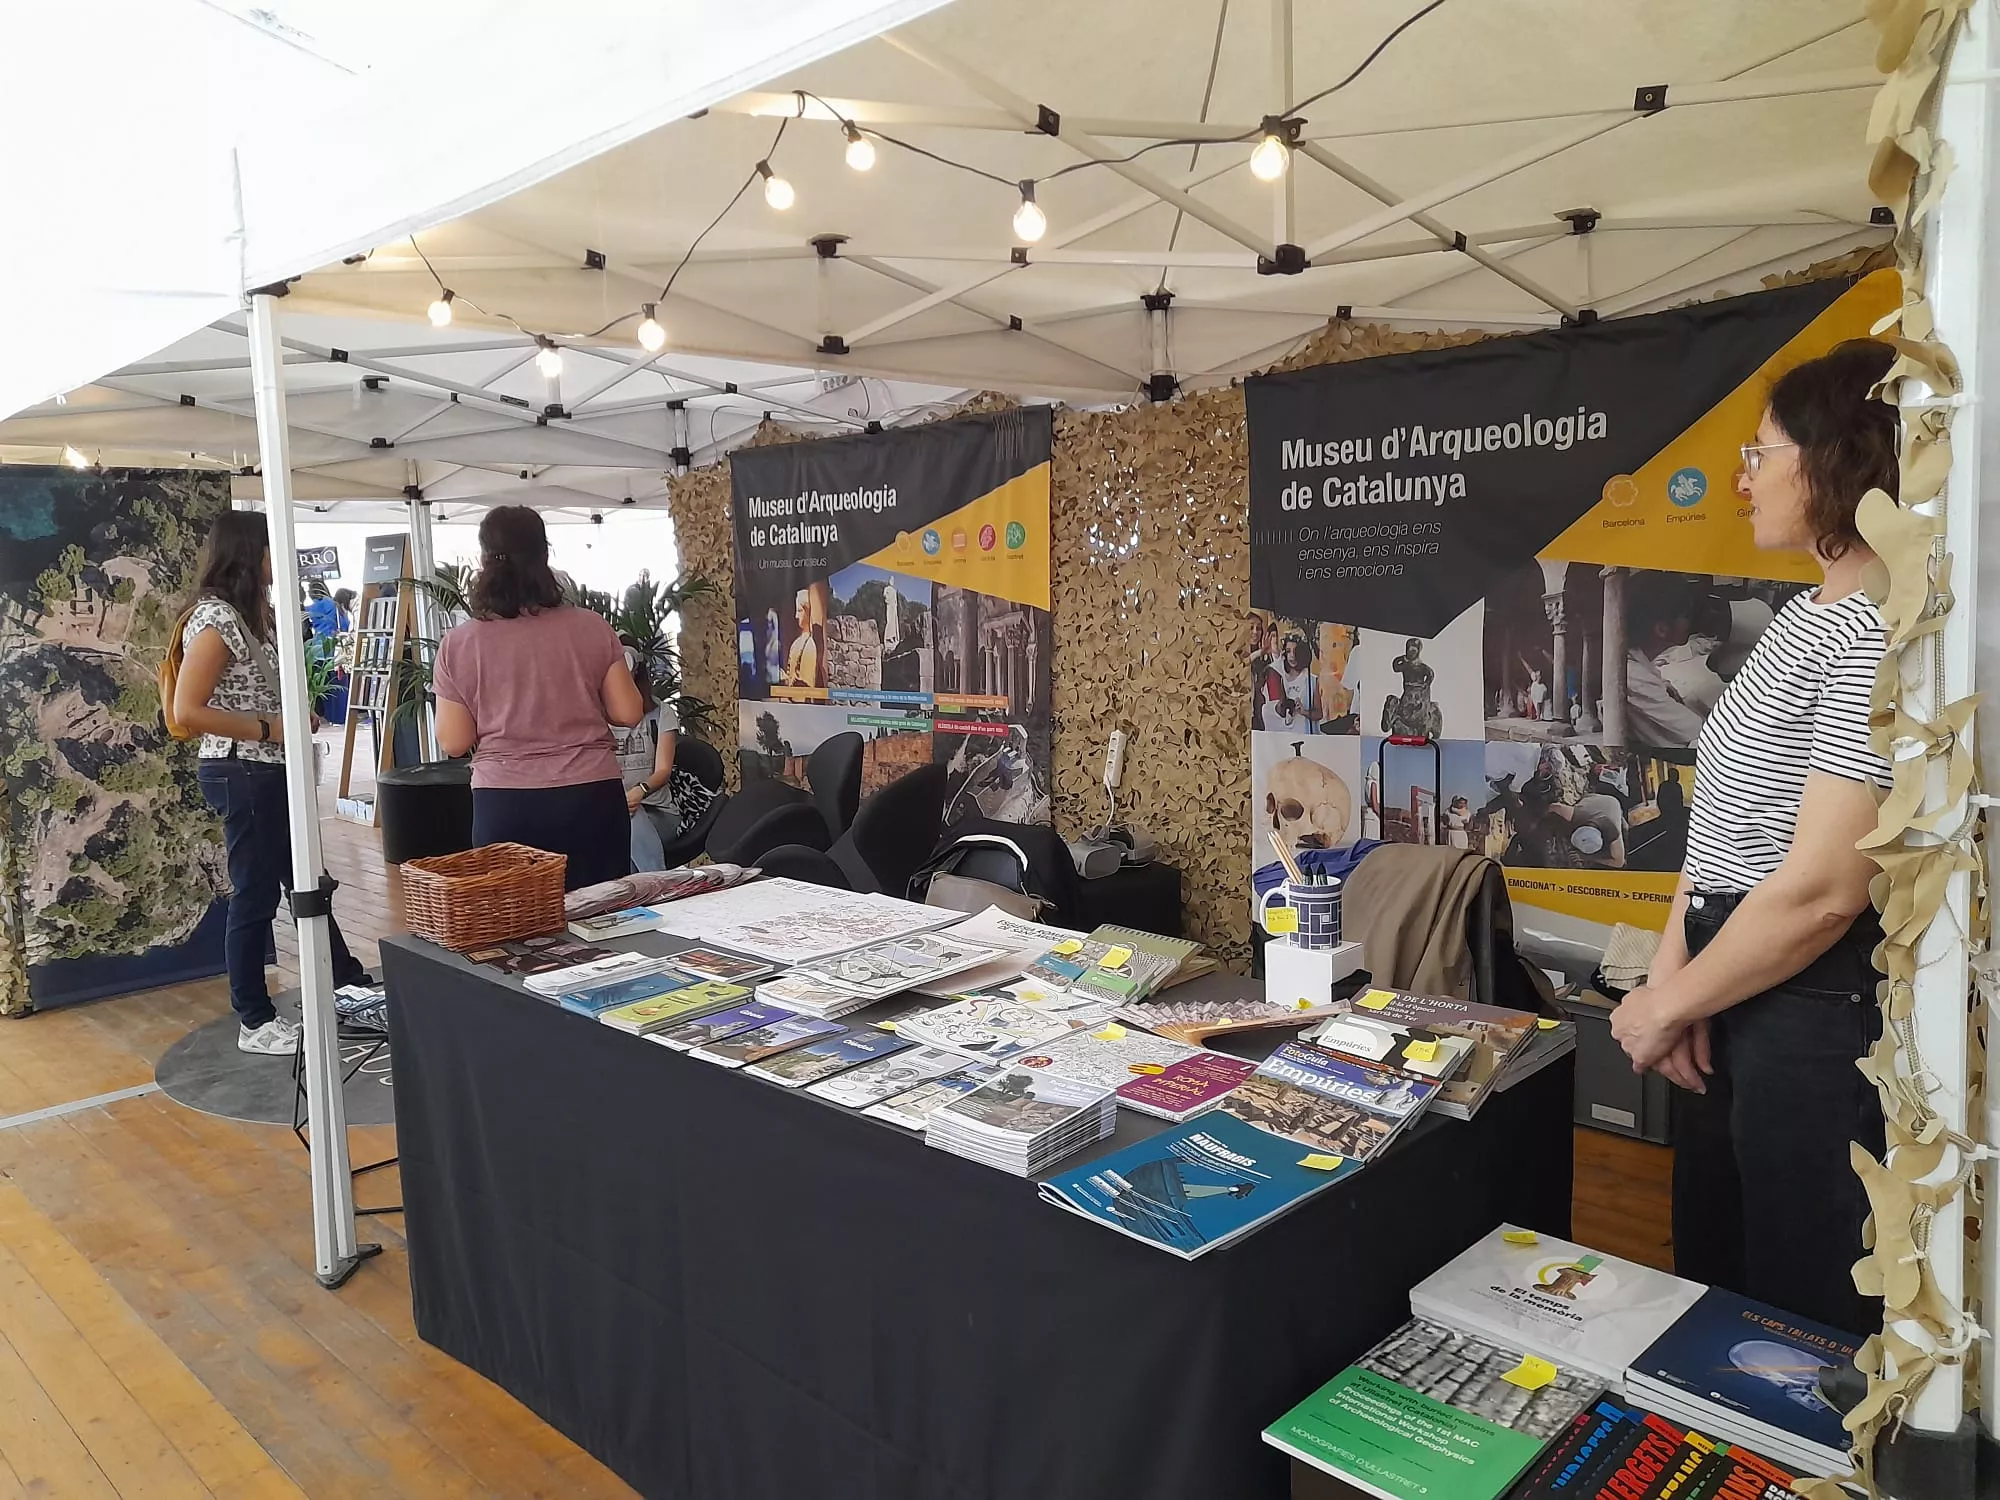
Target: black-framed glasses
1753	454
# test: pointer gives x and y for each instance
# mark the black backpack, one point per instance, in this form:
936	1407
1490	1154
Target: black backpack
1025	858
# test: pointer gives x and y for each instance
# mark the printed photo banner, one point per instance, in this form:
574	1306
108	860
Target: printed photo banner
1532	551
897	585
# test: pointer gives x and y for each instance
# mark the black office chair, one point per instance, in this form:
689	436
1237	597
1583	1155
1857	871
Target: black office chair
705	762
833	771
891	838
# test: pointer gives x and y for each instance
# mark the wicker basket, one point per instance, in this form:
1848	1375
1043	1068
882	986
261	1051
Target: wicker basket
486	895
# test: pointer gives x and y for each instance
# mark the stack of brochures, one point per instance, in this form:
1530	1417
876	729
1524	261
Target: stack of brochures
810	997
913	1107
1740	1370
1023	1121
1621	1451
885	1077
826	1056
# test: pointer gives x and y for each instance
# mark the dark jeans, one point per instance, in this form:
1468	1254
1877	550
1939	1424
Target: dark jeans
250	795
588	823
1765	1203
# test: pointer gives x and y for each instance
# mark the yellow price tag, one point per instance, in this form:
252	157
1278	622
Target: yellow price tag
1547	1025
1531	1374
1280	921
1375	1000
1320	1162
1421	1052
1110	1033
1115	958
1521	1237
1068	945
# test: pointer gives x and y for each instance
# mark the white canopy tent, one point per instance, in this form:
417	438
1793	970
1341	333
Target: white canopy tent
1500	164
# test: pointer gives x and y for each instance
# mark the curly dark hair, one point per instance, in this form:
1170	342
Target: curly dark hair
1847	439
514	574
232	568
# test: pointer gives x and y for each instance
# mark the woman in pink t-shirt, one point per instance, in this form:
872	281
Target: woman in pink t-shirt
534	684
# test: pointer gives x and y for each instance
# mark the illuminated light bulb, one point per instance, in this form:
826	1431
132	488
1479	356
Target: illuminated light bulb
549	360
440	310
860	150
73	458
1030	223
1269	160
652	337
777	192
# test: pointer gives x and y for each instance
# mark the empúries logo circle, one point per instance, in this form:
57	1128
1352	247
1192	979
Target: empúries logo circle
987	537
1686	487
933	543
1017	536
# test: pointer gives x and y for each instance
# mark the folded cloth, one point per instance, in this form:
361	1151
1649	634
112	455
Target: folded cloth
651	887
1628	957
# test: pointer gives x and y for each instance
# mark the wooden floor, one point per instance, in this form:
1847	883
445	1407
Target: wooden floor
161	1332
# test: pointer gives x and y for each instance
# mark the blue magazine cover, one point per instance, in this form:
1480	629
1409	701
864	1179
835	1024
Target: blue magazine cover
712	1028
1752	1359
598	999
1196	1186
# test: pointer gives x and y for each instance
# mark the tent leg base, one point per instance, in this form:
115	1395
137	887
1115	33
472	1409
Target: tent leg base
1916	1465
338	1278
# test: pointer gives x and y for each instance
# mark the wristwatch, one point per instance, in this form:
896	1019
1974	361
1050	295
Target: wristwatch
263	731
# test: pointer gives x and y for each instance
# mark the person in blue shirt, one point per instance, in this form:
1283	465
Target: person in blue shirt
321	612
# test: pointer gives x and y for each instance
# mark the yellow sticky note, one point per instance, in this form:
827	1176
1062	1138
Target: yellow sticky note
1114	957
1067	945
1320	1162
1281	921
1521	1237
1547	1025
1145	1070
1110	1033
885	1025
1531	1374
1375	1000
1421	1051
1302	1003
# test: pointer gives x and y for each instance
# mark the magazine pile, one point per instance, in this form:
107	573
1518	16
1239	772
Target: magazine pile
1023	1120
1507	1381
1316	1110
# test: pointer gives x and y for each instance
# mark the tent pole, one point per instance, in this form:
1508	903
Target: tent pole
423	565
1285	199
335	1253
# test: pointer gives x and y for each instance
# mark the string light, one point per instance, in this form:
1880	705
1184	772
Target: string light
1030	223
440	310
549	360
73	458
1272	156
652	337
860	150
777	192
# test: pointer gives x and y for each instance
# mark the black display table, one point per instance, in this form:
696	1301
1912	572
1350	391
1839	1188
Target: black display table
723	1288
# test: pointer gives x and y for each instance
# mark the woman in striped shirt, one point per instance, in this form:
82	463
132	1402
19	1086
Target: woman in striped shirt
1762	995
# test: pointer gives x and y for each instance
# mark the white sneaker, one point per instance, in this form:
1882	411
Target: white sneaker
277	1037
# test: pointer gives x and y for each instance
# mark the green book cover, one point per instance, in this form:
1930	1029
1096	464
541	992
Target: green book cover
1427	1416
675	1005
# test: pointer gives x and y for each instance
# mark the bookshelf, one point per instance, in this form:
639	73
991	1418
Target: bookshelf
384	619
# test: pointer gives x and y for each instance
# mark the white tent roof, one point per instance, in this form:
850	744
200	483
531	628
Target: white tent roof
184	150
1485	119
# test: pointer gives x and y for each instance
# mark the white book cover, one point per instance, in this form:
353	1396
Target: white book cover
1019	941
1570	1305
582	976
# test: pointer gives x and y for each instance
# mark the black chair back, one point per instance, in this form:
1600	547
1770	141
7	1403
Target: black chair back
833	771
765	814
893	832
700	758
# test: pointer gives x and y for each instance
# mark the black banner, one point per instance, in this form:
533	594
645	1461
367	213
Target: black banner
1388	493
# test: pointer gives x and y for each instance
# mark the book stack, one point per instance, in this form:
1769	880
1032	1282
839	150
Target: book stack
1496	1036
912	1108
885	1078
1023	1121
1196	1186
1182	1090
725	968
589	973
809	997
1330	1104
1573	1306
615	924
677	1003
1117	965
828	1056
1621	1452
1016	941
888	968
1748	1373
1433	1411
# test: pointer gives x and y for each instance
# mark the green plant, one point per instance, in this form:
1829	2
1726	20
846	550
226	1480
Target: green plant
644	620
449	591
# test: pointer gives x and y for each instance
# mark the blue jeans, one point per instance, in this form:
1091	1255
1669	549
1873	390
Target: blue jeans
250	796
652	827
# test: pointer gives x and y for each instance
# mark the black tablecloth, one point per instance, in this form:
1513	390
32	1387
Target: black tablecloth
729	1290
